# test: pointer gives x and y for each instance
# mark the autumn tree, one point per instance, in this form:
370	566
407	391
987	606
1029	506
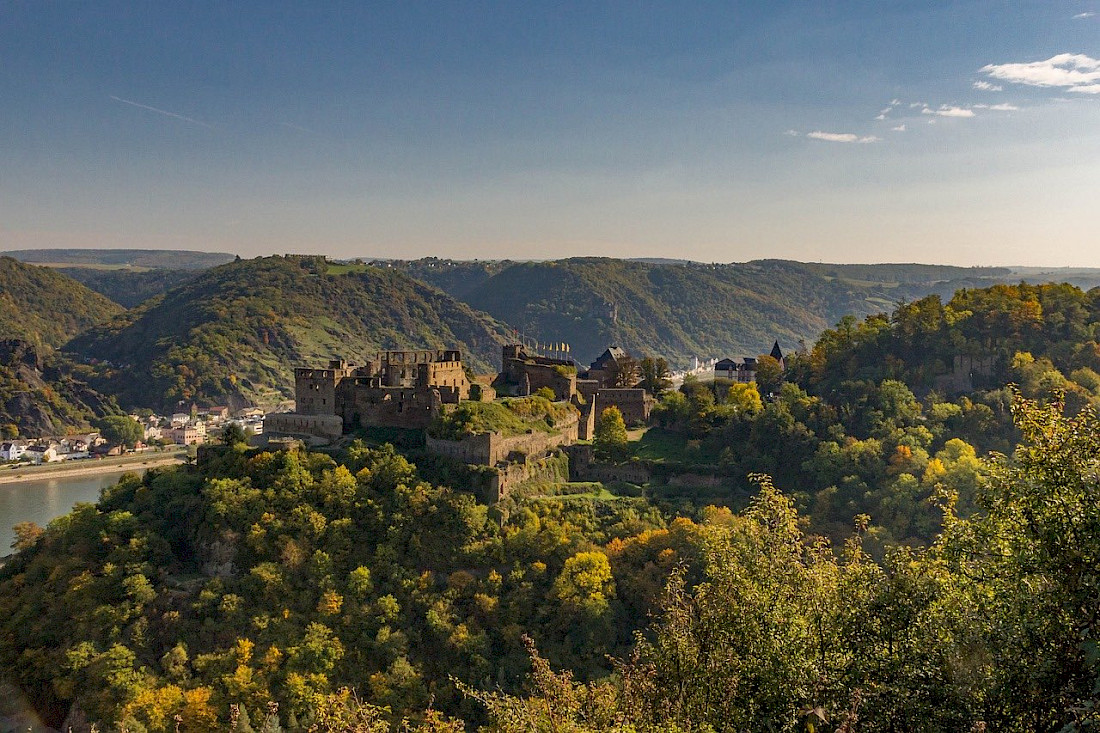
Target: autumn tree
610	440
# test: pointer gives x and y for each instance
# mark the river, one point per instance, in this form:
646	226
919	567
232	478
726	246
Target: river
40	500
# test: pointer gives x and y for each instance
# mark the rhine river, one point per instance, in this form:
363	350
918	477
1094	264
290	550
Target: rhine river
40	500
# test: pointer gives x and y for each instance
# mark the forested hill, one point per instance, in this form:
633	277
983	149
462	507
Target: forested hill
235	333
173	259
676	311
42	394
45	307
127	287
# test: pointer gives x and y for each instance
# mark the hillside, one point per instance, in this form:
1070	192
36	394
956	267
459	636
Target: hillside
45	307
234	333
128	287
41	396
173	259
677	311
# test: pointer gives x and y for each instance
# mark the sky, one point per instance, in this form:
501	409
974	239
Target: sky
942	132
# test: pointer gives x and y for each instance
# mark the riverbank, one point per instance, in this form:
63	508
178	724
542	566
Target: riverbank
91	467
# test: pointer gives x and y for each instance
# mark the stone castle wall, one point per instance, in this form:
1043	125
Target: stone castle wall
489	449
290	423
634	403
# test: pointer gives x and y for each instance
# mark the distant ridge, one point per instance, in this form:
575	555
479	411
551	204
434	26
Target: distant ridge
233	334
152	259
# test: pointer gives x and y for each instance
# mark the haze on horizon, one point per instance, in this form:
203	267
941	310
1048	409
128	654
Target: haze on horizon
843	132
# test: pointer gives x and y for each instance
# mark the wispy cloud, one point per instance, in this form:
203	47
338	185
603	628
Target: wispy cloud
899	128
948	111
792	133
841	137
1082	16
1069	71
985	86
164	112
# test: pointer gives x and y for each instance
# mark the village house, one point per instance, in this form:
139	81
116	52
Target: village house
743	368
39	454
12	450
186	434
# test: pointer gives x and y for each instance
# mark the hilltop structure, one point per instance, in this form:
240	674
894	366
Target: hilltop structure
398	389
743	368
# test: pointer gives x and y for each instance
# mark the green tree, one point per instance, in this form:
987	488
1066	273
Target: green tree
234	434
769	374
656	377
120	430
610	439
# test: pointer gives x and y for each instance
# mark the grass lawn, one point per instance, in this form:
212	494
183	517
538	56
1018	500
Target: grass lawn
344	268
666	446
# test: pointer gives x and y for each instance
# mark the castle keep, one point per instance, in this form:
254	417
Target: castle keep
398	389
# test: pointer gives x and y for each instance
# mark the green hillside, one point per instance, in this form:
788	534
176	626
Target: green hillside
174	259
45	307
677	311
129	287
235	333
44	395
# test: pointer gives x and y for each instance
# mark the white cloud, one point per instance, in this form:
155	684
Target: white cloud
987	87
899	128
792	133
946	111
880	117
1082	16
1069	71
841	137
1003	107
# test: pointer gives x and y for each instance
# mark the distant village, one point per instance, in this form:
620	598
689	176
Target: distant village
158	431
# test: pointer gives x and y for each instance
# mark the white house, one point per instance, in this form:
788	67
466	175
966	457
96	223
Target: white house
42	454
12	450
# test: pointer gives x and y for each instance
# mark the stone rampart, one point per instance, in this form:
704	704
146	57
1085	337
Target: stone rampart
489	449
330	427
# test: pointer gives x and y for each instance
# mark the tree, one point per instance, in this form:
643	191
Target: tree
610	439
623	372
655	376
234	434
585	585
744	398
121	430
26	534
769	374
1030	557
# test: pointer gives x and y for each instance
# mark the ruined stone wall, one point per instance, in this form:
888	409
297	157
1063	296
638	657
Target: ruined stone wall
529	373
291	423
965	372
489	449
564	386
315	390
583	466
634	403
513	476
447	374
389	407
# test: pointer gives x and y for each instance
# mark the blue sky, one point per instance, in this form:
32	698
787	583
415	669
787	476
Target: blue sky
961	132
